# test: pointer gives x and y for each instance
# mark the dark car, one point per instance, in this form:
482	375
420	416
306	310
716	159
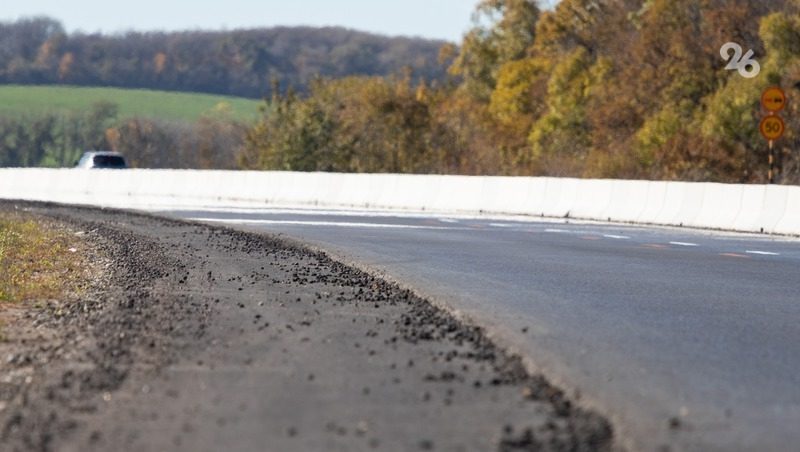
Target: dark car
102	160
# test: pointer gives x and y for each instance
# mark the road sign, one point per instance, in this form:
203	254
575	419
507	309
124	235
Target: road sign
773	99
772	127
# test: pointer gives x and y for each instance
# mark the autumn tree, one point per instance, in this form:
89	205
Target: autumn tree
502	31
592	88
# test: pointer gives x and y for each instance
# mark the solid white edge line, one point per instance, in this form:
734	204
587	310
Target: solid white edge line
306	210
322	223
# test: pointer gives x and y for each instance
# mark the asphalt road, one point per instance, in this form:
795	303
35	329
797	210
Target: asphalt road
686	339
197	338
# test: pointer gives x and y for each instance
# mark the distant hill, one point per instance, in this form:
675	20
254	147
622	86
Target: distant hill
238	62
16	101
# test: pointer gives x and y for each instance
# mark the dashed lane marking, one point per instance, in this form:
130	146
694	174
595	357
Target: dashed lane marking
762	253
616	237
683	244
657	246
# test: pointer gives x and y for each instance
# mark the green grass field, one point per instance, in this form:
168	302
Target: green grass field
17	100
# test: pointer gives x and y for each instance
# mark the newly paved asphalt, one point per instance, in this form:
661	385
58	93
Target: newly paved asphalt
687	339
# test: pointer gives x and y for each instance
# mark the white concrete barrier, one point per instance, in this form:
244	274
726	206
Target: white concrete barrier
354	192
459	194
656	202
790	221
775	205
674	195
628	200
593	198
751	208
412	192
550	198
537	196
691	205
511	195
560	196
720	206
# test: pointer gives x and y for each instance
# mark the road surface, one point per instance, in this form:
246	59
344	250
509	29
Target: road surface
687	339
187	337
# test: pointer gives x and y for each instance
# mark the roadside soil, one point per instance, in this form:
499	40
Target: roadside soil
194	337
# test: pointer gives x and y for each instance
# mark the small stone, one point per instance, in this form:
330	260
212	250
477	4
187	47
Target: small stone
674	423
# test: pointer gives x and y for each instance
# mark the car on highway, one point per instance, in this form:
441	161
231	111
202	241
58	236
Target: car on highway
101	160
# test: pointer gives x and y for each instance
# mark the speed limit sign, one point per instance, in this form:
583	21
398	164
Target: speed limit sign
772	127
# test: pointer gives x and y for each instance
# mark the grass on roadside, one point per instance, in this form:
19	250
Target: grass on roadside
38	261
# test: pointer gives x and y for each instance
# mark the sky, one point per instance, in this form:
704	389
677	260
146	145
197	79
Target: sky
436	19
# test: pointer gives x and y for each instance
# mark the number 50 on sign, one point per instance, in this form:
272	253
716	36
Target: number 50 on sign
772	127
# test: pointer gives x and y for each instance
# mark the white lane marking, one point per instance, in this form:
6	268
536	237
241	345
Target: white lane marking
322	223
448	220
501	225
763	253
560	231
304	210
618	237
683	244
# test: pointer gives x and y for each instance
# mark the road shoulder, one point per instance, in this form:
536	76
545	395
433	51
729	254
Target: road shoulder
207	337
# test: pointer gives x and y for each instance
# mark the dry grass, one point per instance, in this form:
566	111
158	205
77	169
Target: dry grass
39	261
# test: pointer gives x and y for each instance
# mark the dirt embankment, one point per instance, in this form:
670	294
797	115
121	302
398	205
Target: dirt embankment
204	338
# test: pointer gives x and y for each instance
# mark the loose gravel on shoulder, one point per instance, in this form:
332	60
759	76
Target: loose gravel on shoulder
202	338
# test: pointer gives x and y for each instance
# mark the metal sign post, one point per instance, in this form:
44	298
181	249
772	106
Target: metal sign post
771	174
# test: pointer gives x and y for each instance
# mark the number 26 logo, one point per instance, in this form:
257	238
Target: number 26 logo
739	62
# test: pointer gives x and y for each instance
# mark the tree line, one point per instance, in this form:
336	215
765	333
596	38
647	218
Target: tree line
238	62
592	88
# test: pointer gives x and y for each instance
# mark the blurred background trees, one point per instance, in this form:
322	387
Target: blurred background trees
237	62
592	88
59	139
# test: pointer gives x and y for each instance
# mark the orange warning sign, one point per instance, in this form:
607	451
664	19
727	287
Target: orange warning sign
773	99
772	127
